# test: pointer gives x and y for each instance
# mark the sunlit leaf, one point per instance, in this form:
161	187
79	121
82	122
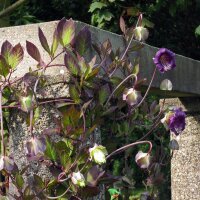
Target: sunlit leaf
4	68
50	151
96	5
71	64
54	43
74	94
66	31
122	25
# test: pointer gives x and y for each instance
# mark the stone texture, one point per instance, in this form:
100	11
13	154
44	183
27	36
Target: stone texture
185	77
185	164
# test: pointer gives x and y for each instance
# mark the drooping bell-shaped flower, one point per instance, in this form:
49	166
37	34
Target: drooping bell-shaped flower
142	159
6	163
78	179
35	148
141	33
175	121
26	103
164	60
98	154
131	96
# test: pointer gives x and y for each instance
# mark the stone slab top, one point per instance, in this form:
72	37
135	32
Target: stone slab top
185	77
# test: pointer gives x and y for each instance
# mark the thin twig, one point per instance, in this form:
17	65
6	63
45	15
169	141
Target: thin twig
129	146
11	8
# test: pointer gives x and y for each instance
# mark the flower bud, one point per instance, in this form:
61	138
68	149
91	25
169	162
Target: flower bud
35	148
98	154
6	163
141	33
78	179
131	96
142	159
26	103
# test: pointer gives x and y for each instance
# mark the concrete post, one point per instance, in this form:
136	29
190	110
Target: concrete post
185	164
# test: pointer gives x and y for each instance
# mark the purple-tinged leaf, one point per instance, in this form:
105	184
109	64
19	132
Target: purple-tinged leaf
33	51
54	45
71	64
122	25
83	41
43	40
6	49
66	31
4	68
16	56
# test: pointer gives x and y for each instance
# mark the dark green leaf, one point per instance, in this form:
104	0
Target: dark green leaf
50	151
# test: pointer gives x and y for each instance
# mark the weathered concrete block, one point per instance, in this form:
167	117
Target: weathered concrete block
185	164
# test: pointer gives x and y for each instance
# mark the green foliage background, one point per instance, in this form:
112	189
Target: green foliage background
175	21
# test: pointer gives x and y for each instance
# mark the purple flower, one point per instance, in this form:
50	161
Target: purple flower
164	60
175	121
35	148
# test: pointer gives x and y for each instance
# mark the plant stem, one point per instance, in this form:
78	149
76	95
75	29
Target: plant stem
129	146
149	87
2	131
119	86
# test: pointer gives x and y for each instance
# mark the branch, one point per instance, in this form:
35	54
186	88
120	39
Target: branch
11	8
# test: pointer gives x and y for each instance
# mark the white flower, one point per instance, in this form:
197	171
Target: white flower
78	179
131	96
98	154
141	33
142	159
6	163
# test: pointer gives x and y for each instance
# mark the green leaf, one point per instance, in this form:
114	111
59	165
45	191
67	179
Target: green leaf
71	116
38	182
147	23
197	31
16	56
136	69
4	68
54	45
96	5
66	31
74	94
71	64
50	151
19	181
103	95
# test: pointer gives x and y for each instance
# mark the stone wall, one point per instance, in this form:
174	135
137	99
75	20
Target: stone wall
185	164
185	78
